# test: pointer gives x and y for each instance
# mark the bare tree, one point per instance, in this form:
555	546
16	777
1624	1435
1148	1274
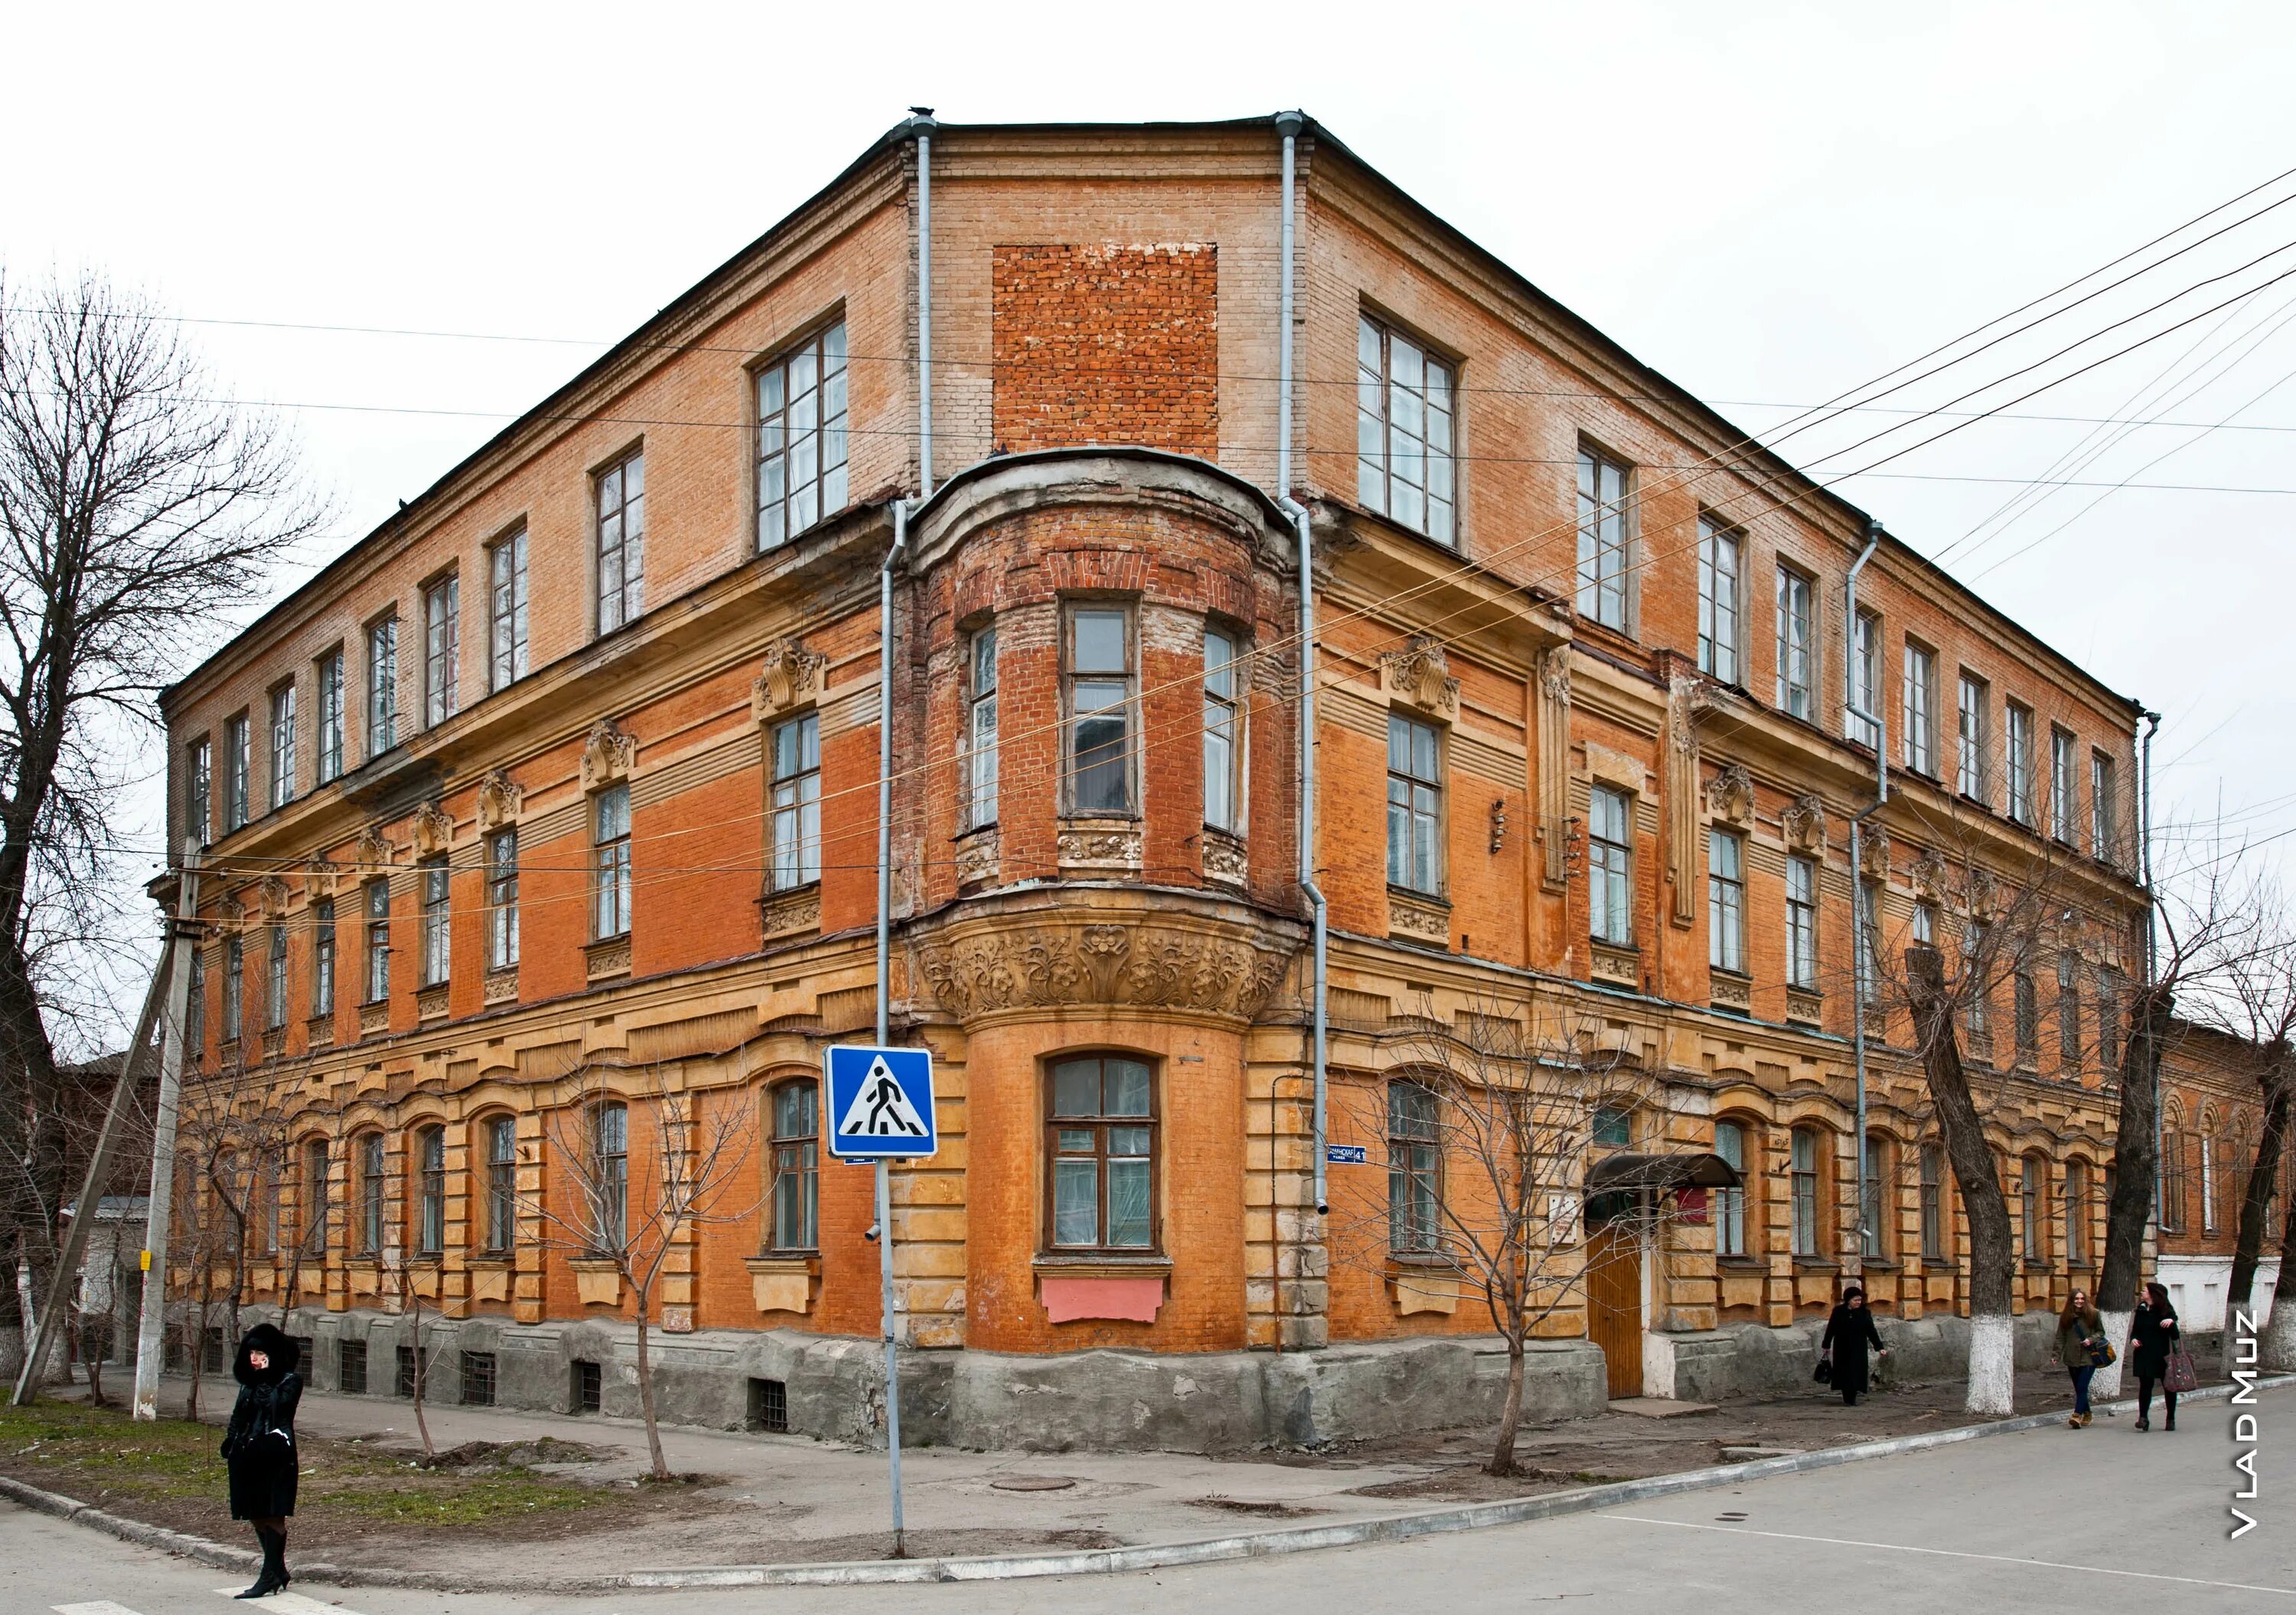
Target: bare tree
644	1168
2256	1003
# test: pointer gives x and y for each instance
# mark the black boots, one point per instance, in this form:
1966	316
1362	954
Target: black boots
274	1577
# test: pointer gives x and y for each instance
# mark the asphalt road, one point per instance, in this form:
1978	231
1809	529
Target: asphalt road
2100	1520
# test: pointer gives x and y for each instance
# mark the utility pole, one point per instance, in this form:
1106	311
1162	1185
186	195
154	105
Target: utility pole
152	1329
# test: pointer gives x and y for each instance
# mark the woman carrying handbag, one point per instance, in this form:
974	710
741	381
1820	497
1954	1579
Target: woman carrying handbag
2156	1351
2083	1349
1841	1354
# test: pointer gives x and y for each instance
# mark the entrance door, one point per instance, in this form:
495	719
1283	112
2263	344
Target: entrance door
1614	1302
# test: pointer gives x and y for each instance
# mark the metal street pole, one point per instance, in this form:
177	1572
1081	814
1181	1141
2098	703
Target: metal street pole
151	1327
892	1345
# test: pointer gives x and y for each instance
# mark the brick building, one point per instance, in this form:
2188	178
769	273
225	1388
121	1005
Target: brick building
2211	1112
572	764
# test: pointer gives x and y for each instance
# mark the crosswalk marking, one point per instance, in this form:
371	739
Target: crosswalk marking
100	1606
291	1600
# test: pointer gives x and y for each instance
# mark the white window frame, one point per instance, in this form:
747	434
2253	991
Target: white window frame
442	658
1973	714
617	541
238	770
1725	900
2103	816
1075	684
1921	709
1721	601
506	642
1801	890
800	395
609	864
1403	426
282	745
1606	540
980	729
1864	686
1797	626
502	898
329	718
2017	755
436	895
1730	1204
1223	731
2065	784
382	685
1416	802
1610	866
793	794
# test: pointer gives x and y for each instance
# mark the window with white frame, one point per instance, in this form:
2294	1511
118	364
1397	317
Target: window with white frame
1730	1203
506	610
1610	867
1803	1166
378	941
1977	965
330	715
1100	709
274	981
621	542
1921	709
801	436
1605	539
2077	1205
1406	413
238	767
437	932
1797	643
2033	1208
1932	1204
323	957
981	731
1873	1214
2017	757
1801	921
1972	710
1223	737
431	1187
1414	1169
282	745
796	802
499	1135
2064	785
1415	805
2208	1183
1721	592
199	807
234	984
1862	722
2103	826
794	1195
381	685
2068	1011
610	863
1725	900
610	1174
442	633
1869	940
502	898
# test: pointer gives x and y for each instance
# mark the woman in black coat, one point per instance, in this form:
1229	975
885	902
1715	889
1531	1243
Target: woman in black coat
2152	1336
259	1446
1847	1333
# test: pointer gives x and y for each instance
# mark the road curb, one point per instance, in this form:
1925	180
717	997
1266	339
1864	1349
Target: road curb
1089	1561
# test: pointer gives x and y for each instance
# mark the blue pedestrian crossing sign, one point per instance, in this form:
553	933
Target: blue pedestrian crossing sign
881	1102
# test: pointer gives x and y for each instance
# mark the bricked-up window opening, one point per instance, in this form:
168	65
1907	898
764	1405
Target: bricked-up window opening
350	1367
1725	900
237	766
2027	998
802	437
1730	1204
1610	867
1875	1212
1415	805
1866	682
1972	713
371	1192
442	635
199	771
2068	1012
2104	827
609	1173
793	1200
980	731
589	1387
2033	1208
274	981
2076	1213
769	1406
506	611
502	899
1103	1137
1605	538
330	715
1405	403
1414	1169
196	1010
412	1361
1803	1164
796	788
2017	759
2065	786
1797	645
438	922
609	865
621	543
1721	604
1932	1204
1100	709
234	972
1921	709
2172	1180
315	1197
282	745
500	1134
381	686
1223	733
478	1379
377	941
430	1191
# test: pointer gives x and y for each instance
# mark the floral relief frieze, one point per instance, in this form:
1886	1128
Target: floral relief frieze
1043	962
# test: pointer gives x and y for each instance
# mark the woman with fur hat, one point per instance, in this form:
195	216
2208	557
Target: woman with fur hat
259	1448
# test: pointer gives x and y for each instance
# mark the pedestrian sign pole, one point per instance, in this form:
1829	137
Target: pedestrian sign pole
880	1109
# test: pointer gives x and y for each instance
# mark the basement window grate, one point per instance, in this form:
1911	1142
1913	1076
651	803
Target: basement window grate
479	1378
769	1405
589	1387
350	1367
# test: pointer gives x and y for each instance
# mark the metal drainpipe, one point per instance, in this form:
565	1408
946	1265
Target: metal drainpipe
2152	960
1289	124
1860	920
921	122
885	761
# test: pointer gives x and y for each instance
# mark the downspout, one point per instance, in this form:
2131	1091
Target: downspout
2152	960
1860	921
885	762
921	122
1288	125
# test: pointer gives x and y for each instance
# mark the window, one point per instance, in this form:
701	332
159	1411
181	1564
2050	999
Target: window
235	968
2108	1019
609	1172
268	1206
1863	722
1971	718
1610	867
1873	1213
1802	1162
237	768
283	746
1730	1204
1100	697
430	1203
769	1405
506	611
1414	1161
1104	1132
1801	921
2208	1183
370	1195
315	1197
2104	830
1721	563
1404	409
2069	1016
2065	786
1933	1246
621	543
1869	940
1925	925
980	731
274	981
2018	744
1223	777
1921	709
1797	650
331	716
1612	1127
442	629
2076	1213
478	1379
350	1367
802	437
2033	1210
502	899
200	775
589	1386
2172	1178
381	686
794	1197
1725	900
1415	806
2029	1015
195	1011
500	1134
1605	539
797	802
610	867
414	1364
438	936
378	941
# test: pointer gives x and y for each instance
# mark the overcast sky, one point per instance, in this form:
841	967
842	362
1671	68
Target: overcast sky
1768	203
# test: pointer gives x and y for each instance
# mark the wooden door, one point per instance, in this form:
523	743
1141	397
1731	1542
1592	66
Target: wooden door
1614	1303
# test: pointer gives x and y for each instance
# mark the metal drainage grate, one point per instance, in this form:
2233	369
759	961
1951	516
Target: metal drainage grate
1033	1483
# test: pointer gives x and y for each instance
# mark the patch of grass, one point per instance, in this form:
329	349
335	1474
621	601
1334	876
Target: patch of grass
457	1503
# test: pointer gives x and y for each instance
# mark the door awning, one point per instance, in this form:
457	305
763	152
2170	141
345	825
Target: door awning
1698	1170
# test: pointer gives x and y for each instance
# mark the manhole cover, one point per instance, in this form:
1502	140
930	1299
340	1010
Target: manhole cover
1033	1483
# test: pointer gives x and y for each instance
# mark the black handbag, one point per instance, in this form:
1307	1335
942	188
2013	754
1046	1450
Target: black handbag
1823	1372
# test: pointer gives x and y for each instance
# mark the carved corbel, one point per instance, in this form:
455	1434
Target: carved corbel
1730	794
1928	877
792	674
375	851
1874	855
271	897
434	831
319	881
1420	674
1803	824
500	800
608	756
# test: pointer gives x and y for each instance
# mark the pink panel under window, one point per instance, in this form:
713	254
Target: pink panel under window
1067	1299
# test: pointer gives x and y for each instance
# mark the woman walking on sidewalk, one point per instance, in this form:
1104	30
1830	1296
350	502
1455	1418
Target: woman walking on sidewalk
2151	1337
2080	1348
259	1446
1847	1333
